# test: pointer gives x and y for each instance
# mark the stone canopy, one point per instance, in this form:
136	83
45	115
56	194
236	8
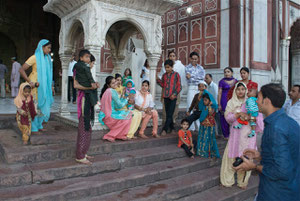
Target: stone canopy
114	21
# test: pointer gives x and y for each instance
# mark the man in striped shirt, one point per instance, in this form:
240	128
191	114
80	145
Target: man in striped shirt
171	86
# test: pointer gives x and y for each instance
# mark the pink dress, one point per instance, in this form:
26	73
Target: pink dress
118	127
238	138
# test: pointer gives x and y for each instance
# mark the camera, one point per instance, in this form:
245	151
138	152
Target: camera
238	161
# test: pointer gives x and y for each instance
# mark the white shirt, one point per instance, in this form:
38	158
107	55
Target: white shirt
213	90
293	111
139	99
180	69
71	66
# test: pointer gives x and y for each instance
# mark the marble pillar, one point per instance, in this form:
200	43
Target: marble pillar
284	63
118	62
65	60
153	61
295	67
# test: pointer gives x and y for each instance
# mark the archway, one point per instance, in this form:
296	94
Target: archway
76	37
125	48
294	56
7	50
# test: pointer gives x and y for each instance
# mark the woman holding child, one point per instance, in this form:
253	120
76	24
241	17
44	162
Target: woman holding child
118	121
40	79
145	104
238	138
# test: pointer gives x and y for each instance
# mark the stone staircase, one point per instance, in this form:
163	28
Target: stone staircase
141	169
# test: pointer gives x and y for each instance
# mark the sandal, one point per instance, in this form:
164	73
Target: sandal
143	136
89	157
110	140
155	136
84	161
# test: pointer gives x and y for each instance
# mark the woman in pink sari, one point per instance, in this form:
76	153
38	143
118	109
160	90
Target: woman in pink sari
238	138
118	121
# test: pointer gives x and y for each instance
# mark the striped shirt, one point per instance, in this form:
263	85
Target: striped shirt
197	74
171	84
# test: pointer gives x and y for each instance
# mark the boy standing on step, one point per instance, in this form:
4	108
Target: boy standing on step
171	86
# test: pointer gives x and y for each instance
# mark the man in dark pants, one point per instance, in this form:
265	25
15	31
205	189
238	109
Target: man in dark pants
71	81
279	159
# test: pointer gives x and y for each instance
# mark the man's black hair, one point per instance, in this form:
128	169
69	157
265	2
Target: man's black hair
193	54
169	62
275	93
84	52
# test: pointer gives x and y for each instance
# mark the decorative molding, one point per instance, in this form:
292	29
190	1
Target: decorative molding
194	23
171	29
208	20
210	47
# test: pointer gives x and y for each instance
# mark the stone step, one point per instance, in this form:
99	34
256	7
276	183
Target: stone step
100	184
25	174
14	152
234	193
169	189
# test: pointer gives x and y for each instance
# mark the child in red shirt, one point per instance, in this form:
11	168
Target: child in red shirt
185	140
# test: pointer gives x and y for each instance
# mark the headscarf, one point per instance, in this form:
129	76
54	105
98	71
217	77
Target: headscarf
202	107
45	77
234	102
18	101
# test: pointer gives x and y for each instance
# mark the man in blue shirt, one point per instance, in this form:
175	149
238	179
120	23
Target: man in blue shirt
279	158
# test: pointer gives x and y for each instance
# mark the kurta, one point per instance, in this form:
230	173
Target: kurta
118	121
225	88
15	75
237	143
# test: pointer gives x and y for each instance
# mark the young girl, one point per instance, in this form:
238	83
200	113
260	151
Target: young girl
25	111
207	144
127	75
185	140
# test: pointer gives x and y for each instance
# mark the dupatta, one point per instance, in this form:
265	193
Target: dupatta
45	77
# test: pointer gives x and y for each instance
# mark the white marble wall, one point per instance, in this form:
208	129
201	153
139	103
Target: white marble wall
260	31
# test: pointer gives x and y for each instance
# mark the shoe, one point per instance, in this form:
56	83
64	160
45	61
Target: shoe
252	134
163	133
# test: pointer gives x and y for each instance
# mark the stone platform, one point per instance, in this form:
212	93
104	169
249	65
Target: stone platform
141	169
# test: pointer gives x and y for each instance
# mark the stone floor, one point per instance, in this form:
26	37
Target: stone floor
152	169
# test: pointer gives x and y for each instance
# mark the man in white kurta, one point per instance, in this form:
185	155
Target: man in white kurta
180	69
15	77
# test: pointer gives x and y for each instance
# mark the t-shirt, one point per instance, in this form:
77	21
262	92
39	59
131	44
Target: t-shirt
185	136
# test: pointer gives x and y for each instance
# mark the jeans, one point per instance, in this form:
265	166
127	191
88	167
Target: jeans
170	108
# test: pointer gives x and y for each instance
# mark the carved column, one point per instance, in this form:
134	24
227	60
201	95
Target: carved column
64	110
284	63
153	59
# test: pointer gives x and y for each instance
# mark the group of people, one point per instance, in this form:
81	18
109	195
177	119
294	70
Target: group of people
14	78
235	108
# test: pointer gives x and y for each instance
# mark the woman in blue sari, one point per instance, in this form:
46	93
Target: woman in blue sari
206	143
40	79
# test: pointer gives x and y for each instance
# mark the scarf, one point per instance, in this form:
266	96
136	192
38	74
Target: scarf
18	101
234	102
45	78
203	108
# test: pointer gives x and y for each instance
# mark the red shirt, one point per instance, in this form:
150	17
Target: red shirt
185	136
171	84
